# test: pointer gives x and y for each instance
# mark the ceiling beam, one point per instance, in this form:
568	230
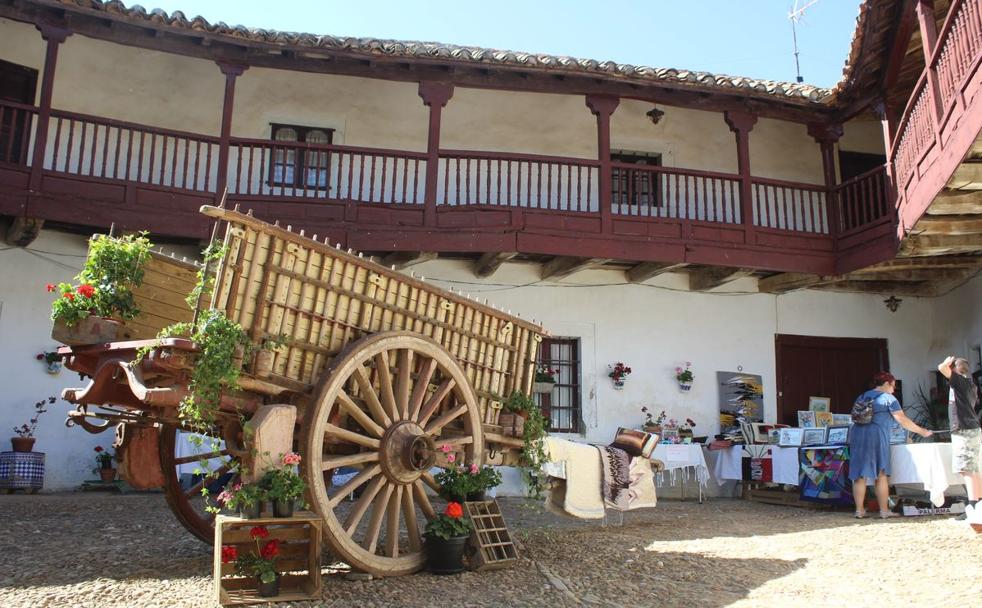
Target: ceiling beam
949	224
649	270
23	230
882	287
405	259
489	263
705	279
563	266
938	263
919	245
951	202
915	276
786	282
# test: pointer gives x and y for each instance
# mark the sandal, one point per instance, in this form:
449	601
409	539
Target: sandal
859	515
888	515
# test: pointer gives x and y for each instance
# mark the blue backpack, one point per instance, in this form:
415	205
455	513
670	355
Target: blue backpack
862	410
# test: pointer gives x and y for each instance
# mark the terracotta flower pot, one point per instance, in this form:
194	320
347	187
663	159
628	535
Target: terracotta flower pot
90	330
22	444
446	556
107	475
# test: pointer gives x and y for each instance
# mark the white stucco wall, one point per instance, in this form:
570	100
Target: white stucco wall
959	315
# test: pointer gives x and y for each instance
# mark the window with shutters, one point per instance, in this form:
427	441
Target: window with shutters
562	405
298	166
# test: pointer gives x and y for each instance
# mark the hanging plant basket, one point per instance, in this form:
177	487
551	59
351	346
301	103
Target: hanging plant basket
618	385
543	388
685	386
90	330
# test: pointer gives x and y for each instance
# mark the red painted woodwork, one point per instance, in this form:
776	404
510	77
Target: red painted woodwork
602	107
53	34
741	123
231	72
435	95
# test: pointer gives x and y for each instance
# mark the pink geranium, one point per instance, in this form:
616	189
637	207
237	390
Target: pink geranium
291	458
451	458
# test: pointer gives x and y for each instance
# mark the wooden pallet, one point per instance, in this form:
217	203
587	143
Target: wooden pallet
298	564
491	547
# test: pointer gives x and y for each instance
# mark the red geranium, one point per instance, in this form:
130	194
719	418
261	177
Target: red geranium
98	448
259	532
454	510
68	295
50	287
270	549
229	554
86	290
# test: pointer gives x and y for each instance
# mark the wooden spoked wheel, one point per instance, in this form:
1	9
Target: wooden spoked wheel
188	504
388	403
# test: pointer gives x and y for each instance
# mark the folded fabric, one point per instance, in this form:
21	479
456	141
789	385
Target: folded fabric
579	494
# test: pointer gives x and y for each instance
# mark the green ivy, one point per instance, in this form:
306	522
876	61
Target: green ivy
533	451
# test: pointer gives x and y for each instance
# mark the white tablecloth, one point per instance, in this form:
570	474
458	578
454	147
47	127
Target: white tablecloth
682	458
926	464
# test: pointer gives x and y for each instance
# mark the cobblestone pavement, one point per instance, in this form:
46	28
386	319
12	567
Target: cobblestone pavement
99	550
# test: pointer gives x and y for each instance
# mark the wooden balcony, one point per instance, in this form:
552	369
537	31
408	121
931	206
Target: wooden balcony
96	171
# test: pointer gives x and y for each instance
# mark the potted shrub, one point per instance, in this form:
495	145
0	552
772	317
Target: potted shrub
618	372
283	486
685	430
24	440
92	311
446	539
684	377
259	564
482	479
455	483
245	498
104	464
545	380
652	424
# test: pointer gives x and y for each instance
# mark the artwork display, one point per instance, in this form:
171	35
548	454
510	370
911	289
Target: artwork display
837	435
669	435
791	437
824	475
761	431
774	436
819	404
823	419
806	419
841	419
814	436
741	397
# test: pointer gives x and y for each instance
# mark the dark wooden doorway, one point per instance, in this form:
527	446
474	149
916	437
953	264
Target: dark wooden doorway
839	368
18	84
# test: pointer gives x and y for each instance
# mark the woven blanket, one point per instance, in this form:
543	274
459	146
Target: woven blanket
615	466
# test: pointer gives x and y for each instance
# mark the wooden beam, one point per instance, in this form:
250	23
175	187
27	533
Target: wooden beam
706	279
949	224
912	276
967	175
956	203
405	259
489	263
23	231
882	287
789	281
649	270
563	266
917	245
937	263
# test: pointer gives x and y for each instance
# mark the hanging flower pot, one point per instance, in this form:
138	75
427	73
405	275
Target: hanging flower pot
543	388
618	373
685	386
618	385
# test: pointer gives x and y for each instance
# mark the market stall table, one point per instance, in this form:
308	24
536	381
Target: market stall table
679	459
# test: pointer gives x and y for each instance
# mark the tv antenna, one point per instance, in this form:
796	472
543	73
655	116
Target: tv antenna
797	12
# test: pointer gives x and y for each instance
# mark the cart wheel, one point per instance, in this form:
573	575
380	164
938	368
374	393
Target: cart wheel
188	504
387	403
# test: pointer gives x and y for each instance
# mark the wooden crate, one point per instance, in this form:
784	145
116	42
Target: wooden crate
298	564
166	283
491	547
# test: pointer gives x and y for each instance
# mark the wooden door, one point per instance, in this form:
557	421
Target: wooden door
839	368
17	84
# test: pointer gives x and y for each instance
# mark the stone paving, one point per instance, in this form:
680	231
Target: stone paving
101	550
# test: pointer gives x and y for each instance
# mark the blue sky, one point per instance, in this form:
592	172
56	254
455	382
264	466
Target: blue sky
738	37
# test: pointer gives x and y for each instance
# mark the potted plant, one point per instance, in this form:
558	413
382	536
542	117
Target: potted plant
262	365
482	479
686	430
618	372
684	377
52	361
455	483
24	440
93	310
545	380
104	461
446	539
283	486
260	564
245	498
652	424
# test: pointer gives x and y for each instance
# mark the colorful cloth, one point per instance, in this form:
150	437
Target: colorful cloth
824	475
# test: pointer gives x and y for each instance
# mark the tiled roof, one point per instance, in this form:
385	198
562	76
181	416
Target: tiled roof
785	91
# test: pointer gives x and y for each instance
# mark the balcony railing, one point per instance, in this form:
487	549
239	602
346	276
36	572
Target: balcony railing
130	155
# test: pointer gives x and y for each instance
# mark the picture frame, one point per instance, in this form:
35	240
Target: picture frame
898	434
813	436
669	435
790	437
806	419
837	435
841	419
823	419
819	404
760	432
774	436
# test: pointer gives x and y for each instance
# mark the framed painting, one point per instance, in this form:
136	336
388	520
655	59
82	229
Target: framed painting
670	435
823	419
761	432
806	419
774	436
815	436
741	396
841	419
819	404
837	435
790	437
824	475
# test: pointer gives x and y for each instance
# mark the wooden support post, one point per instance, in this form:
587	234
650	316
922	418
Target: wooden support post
929	40
54	34
231	72
602	107
489	263
435	95
741	123
826	135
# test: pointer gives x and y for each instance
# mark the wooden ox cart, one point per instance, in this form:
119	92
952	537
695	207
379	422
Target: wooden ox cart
384	369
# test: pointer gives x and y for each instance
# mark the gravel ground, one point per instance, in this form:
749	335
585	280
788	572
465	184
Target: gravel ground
99	550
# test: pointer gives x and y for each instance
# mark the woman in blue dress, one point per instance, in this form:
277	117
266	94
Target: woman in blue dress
869	444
